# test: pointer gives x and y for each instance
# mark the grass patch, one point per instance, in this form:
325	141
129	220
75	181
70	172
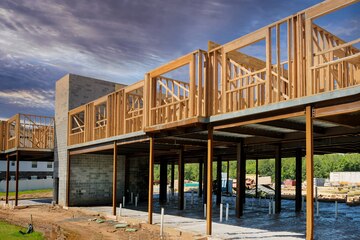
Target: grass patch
11	232
11	194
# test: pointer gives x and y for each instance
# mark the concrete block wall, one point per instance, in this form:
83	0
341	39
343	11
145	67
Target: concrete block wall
139	177
72	91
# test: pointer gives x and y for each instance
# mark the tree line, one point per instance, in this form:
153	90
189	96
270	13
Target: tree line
323	165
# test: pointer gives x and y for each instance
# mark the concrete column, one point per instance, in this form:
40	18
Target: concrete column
7	178
114	202
218	180
309	174
209	181
172	178
151	181
278	179
181	179
200	192
240	179
17	178
298	164
163	181
257	177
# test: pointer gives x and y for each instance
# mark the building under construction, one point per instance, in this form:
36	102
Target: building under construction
299	97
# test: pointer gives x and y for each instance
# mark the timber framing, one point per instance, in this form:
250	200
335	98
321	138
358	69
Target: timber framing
228	105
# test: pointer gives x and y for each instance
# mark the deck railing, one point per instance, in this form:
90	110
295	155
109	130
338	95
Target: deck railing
297	58
27	131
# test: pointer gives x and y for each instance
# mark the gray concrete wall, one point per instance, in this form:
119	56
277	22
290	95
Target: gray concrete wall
71	92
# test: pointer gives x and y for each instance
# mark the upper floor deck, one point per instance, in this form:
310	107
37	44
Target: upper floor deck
27	132
295	58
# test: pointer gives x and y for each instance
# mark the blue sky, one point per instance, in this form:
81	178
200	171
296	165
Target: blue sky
120	40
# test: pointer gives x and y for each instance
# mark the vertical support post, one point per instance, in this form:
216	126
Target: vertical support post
298	178
67	203
257	177
163	181
7	178
209	181
309	175
227	176
181	179
151	180
205	181
172	178
17	179
309	56
218	180
200	191
278	179
268	82
114	179
240	179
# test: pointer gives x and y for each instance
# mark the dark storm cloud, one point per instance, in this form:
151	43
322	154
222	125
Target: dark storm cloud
118	40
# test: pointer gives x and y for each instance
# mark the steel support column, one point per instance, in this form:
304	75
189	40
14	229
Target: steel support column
181	179
278	179
240	179
172	178
163	181
7	178
257	177
309	175
114	202
218	180
298	174
17	178
205	181
151	180
227	176
209	190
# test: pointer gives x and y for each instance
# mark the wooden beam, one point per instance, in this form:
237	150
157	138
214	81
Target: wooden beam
337	109
309	175
177	63
209	181
17	178
254	131
327	7
286	124
114	202
151	181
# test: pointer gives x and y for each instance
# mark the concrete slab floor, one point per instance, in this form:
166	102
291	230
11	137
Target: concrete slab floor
256	223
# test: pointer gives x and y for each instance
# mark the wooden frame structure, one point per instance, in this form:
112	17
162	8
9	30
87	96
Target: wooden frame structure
225	82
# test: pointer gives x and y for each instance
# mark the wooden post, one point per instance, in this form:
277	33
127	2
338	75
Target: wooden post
181	179
200	178
172	177
298	180
163	181
218	180
205	180
67	203
257	177
17	179
227	176
240	179
309	175
209	181
278	179
151	180
268	83
7	178
114	202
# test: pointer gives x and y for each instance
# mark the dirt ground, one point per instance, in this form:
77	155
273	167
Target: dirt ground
74	224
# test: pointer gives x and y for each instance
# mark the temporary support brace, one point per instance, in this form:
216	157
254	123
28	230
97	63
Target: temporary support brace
298	177
17	178
309	175
278	179
181	179
151	180
210	144
114	202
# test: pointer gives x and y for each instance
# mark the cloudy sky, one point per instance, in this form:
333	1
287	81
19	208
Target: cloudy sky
120	40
